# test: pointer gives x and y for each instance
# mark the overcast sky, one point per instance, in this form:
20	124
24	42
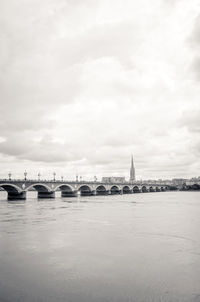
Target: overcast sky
86	83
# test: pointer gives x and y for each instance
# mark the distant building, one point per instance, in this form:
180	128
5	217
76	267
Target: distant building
132	170
179	181
191	182
195	179
113	179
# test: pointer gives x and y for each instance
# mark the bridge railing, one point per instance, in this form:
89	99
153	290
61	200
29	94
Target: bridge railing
140	183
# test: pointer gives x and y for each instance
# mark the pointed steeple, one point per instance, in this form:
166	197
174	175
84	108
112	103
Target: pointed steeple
132	170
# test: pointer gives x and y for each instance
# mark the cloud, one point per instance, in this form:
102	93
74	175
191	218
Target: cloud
83	84
191	120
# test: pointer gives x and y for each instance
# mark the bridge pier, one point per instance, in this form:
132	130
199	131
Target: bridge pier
116	192
17	195
85	193
137	191
102	193
46	194
127	191
69	194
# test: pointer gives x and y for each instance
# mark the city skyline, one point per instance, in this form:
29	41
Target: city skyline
76	101
77	177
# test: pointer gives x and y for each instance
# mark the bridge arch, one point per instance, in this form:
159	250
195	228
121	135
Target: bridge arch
115	190
126	189
144	189
11	188
39	187
63	187
136	189
151	189
14	192
101	190
66	190
85	190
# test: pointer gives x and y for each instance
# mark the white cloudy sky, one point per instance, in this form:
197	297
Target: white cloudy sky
85	83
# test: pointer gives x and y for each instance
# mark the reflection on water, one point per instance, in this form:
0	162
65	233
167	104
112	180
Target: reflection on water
140	247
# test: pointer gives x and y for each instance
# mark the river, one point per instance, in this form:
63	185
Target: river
122	248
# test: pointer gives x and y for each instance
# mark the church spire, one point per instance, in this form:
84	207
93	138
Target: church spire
132	170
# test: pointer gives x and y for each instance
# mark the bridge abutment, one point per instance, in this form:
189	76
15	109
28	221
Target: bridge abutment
17	195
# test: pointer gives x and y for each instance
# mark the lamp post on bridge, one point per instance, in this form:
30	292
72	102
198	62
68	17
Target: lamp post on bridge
62	178
9	175
54	176
76	178
39	176
25	175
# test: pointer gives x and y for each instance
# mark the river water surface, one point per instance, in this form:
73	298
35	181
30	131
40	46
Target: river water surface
123	248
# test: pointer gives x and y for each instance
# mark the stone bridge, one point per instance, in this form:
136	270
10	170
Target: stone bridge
17	189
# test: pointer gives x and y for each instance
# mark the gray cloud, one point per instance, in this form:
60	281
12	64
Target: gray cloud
195	35
194	43
83	84
191	120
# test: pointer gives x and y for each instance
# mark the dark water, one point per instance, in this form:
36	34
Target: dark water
140	247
